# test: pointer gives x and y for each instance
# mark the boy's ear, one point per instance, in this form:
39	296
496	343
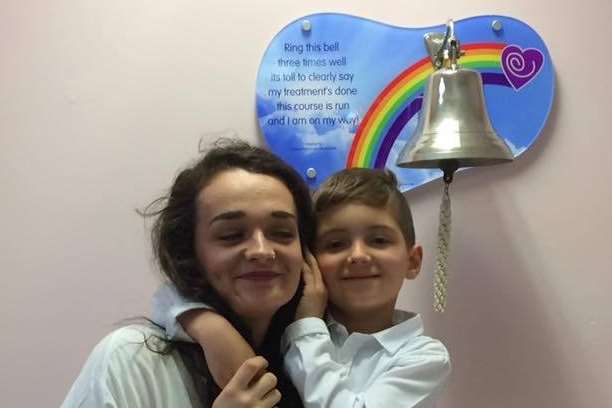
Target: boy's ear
415	258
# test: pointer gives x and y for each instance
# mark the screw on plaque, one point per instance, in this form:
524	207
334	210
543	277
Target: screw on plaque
311	173
306	25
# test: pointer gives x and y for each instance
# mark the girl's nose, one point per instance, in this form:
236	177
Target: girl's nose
259	248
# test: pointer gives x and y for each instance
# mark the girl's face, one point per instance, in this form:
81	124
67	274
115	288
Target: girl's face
247	241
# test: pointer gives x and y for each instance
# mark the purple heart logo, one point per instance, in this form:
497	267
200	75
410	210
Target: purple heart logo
521	66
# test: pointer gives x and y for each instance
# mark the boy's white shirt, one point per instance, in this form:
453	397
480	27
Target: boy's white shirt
398	366
395	367
168	305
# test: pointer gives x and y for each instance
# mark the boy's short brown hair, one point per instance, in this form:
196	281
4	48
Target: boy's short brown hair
372	187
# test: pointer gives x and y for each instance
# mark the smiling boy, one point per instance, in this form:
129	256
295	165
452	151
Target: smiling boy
365	353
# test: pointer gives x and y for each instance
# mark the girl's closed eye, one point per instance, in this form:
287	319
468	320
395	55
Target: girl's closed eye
229	237
283	234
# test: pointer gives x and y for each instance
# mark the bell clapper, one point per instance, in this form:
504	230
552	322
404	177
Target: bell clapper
448	168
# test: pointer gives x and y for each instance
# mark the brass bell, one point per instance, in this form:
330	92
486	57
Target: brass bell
453	131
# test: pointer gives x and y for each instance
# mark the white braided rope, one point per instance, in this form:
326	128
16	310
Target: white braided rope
441	271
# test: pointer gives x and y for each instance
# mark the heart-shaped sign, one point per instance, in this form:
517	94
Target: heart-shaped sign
336	91
521	66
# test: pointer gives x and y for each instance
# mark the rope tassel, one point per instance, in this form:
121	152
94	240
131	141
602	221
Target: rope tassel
441	270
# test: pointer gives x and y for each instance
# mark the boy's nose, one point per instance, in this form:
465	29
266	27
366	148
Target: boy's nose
259	248
359	254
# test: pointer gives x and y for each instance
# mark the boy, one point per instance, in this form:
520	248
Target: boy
366	353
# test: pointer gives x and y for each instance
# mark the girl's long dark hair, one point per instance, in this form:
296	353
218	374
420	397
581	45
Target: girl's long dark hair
173	237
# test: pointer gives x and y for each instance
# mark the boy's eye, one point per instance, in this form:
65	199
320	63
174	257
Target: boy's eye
380	240
334	245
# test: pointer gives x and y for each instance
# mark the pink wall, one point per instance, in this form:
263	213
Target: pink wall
103	101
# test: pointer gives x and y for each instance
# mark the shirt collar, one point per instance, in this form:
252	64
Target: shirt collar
407	325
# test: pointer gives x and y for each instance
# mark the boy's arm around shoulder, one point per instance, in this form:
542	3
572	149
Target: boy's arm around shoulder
168	305
225	349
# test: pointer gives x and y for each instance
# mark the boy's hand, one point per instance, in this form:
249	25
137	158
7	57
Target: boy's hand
251	387
225	349
314	299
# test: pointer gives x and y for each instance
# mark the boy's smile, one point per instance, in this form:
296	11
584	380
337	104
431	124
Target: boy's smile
364	260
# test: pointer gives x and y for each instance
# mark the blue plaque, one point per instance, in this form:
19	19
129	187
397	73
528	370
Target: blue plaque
336	91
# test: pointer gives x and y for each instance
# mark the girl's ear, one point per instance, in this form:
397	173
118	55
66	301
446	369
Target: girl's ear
415	258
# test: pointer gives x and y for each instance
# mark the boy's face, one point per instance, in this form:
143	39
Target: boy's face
364	259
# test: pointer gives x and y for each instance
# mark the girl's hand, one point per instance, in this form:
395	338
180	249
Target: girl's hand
251	387
314	299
